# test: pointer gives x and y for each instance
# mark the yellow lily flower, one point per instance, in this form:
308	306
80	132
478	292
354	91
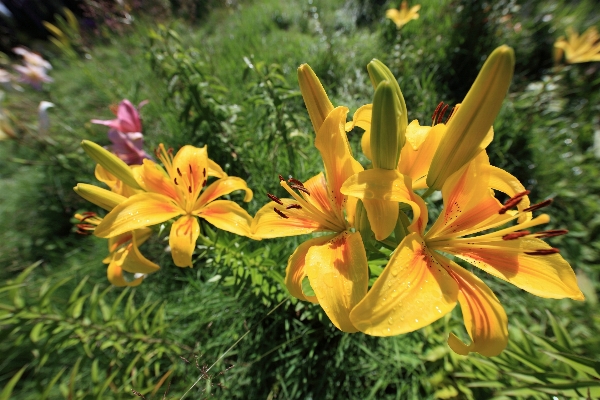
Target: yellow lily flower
124	253
403	15
181	190
420	285
335	264
578	49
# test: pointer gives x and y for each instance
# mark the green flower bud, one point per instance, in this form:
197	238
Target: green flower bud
385	146
101	197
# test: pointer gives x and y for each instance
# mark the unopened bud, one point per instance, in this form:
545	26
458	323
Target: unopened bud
385	146
314	96
111	163
467	130
101	197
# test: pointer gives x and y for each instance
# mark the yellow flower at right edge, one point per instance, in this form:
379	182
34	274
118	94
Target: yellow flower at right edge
420	285
578	49
403	15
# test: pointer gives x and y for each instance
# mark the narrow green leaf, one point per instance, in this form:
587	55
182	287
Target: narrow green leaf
77	290
578	363
51	384
7	391
562	337
34	335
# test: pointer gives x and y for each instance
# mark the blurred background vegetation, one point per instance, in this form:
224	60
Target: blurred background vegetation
223	73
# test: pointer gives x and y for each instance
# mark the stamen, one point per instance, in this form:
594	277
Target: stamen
179	172
513	201
275	198
300	188
442	112
295	181
435	113
543	252
551	233
89	213
451	114
280	213
537	206
296	206
175	180
281	178
515	235
170	151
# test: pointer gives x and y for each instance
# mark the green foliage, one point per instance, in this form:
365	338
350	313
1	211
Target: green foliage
118	345
66	36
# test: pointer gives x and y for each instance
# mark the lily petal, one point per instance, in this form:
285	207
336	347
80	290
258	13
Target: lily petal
114	273
215	170
191	164
339	275
221	187
548	276
229	216
416	157
413	291
296	268
484	316
182	240
333	145
155	179
382	216
389	185
362	119
268	224
131	260
138	211
508	184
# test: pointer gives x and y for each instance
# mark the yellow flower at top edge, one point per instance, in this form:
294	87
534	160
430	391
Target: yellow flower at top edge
335	264
420	285
180	189
578	49
403	15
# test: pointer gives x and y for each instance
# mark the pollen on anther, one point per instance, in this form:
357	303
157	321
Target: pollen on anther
295	181
543	252
275	198
300	188
281	178
280	213
515	235
296	206
537	206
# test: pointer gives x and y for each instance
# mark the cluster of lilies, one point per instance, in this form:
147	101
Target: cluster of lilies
359	211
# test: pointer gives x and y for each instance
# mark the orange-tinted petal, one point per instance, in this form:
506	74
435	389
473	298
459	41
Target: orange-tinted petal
138	211
334	148
510	185
228	216
190	167
548	276
296	268
156	180
268	224
413	291
221	187
182	240
484	317
131	260
115	184
339	275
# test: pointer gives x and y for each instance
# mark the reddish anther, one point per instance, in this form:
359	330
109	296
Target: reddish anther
515	235
204	172
87	216
543	252
300	188
280	213
189	189
537	206
551	233
179	172
435	113
440	118
296	206
204	183
281	178
512	202
175	180
275	198
295	181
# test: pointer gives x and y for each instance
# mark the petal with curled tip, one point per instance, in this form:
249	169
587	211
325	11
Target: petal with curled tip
339	275
413	291
215	170
362	119
333	145
389	185
296	268
484	316
315	98
131	260
182	240
114	273
548	276
228	216
382	216
510	185
138	211
101	197
221	187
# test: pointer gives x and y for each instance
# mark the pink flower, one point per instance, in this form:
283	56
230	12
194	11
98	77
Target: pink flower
32	59
125	133
32	75
128	118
